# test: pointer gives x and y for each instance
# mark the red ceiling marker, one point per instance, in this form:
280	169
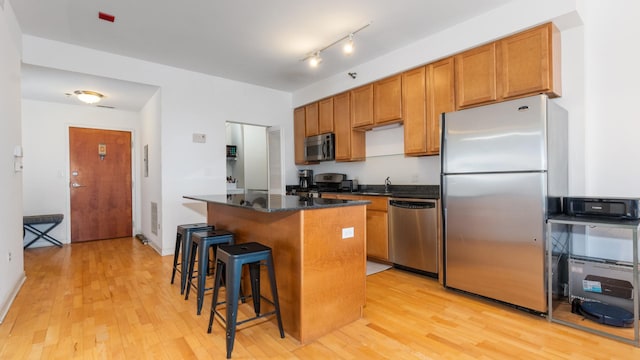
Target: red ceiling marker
106	17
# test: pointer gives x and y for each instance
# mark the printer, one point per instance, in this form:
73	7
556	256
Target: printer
622	208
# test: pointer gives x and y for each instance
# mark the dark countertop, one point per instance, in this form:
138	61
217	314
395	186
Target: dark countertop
399	191
264	202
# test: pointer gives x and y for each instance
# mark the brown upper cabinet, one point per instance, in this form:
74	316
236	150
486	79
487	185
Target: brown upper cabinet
325	116
441	98
387	100
414	108
520	65
476	76
427	92
350	144
362	106
530	62
311	119
299	135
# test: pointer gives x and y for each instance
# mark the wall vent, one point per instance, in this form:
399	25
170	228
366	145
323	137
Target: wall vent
154	218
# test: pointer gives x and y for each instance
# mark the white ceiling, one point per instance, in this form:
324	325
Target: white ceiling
254	41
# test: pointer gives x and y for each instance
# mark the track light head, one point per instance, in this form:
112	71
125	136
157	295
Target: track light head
315	60
348	46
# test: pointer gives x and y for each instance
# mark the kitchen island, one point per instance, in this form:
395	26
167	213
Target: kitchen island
318	249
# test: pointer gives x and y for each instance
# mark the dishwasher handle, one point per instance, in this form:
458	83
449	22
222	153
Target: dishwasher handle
412	204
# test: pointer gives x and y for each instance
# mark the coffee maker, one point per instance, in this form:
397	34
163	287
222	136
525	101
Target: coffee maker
305	179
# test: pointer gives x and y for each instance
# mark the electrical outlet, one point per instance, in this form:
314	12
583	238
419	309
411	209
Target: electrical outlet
9	256
199	138
414	178
347	233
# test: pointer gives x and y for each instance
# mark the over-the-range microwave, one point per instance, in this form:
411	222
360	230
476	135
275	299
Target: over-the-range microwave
319	147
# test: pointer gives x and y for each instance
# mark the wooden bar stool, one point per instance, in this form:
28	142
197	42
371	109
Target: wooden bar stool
201	242
181	253
231	258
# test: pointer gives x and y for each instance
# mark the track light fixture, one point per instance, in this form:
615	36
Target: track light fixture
348	46
315	60
314	56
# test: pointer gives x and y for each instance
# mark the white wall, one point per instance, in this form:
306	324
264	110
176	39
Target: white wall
255	157
385	158
612	76
11	254
45	139
190	103
384	154
612	128
151	185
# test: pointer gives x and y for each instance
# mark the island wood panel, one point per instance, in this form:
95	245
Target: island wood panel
334	270
321	281
280	231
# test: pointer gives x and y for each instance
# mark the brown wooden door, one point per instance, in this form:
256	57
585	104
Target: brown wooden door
440	98
100	186
362	106
299	135
528	62
325	116
415	111
311	119
476	76
387	100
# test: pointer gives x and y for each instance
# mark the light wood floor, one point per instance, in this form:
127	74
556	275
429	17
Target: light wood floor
112	299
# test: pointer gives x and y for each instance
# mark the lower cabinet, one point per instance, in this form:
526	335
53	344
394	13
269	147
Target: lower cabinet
377	234
377	223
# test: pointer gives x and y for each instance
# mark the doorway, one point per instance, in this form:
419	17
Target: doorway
254	158
100	184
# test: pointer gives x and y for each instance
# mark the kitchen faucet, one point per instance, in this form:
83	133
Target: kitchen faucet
387	183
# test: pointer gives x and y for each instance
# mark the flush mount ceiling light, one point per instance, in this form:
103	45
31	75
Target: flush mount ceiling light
87	96
314	57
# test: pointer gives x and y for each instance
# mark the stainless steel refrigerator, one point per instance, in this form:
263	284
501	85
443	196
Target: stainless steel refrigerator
504	169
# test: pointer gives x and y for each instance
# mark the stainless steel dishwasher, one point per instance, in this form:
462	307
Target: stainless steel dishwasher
414	233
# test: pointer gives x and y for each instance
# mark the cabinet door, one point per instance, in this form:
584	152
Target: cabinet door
415	111
362	106
325	116
387	100
476	76
299	134
350	144
440	98
311	119
377	234
527	62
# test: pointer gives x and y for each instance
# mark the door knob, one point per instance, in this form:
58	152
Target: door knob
76	185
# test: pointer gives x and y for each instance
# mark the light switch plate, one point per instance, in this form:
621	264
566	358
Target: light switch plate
347	233
199	138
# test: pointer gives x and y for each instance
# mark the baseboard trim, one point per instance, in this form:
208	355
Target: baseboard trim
155	247
6	306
